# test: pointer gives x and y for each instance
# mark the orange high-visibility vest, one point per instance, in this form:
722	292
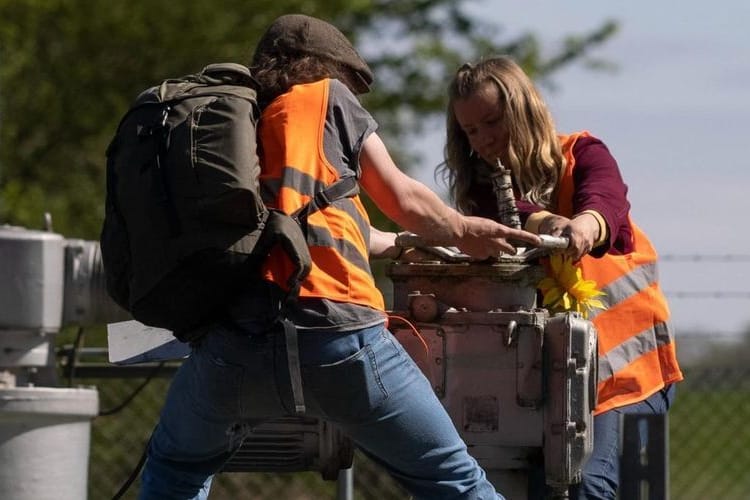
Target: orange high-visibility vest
294	168
637	354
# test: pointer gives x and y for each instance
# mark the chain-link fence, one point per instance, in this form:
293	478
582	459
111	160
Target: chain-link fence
709	436
710	433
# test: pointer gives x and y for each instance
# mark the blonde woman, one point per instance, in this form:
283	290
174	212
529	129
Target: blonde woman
569	185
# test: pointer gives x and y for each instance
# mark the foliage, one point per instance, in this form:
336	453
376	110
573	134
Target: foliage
721	352
69	68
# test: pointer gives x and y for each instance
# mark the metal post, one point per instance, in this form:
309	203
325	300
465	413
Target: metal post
644	471
345	484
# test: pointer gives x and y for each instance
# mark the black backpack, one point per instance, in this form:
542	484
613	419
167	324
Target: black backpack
185	227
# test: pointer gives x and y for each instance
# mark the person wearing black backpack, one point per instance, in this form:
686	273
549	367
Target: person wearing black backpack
312	132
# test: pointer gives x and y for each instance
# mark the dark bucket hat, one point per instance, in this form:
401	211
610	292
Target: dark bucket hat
298	33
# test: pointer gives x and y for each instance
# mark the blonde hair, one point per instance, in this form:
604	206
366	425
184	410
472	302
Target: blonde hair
534	155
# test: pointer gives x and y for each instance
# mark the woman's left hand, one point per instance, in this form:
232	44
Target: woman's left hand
582	231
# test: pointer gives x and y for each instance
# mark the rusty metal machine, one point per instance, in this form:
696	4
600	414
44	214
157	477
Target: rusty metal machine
518	382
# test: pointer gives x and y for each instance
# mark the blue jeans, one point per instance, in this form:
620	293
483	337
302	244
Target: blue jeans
362	380
601	474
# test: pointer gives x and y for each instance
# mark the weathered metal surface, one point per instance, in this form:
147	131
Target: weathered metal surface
467	286
502	185
517	383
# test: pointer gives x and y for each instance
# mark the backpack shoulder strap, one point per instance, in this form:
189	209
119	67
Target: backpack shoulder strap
342	188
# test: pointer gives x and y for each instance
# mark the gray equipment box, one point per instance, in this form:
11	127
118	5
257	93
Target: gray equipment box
571	377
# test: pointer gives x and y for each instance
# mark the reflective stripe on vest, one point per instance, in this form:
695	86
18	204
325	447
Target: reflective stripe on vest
636	343
294	165
320	236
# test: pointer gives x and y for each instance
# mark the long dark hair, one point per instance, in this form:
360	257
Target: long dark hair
276	73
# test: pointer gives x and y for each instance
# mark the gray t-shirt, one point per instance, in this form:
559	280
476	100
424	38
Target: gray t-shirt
347	126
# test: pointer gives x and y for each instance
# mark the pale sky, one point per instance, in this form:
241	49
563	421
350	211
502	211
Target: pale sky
675	116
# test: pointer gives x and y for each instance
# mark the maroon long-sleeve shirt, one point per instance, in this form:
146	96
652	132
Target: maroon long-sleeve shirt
598	185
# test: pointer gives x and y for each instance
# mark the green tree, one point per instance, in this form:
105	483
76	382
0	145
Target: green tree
69	68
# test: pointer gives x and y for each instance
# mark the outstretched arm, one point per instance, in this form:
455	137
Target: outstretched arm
416	208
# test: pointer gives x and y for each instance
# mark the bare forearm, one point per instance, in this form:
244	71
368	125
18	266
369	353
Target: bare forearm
417	209
413	206
420	211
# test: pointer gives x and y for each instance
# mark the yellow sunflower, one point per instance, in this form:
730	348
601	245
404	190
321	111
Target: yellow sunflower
564	289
